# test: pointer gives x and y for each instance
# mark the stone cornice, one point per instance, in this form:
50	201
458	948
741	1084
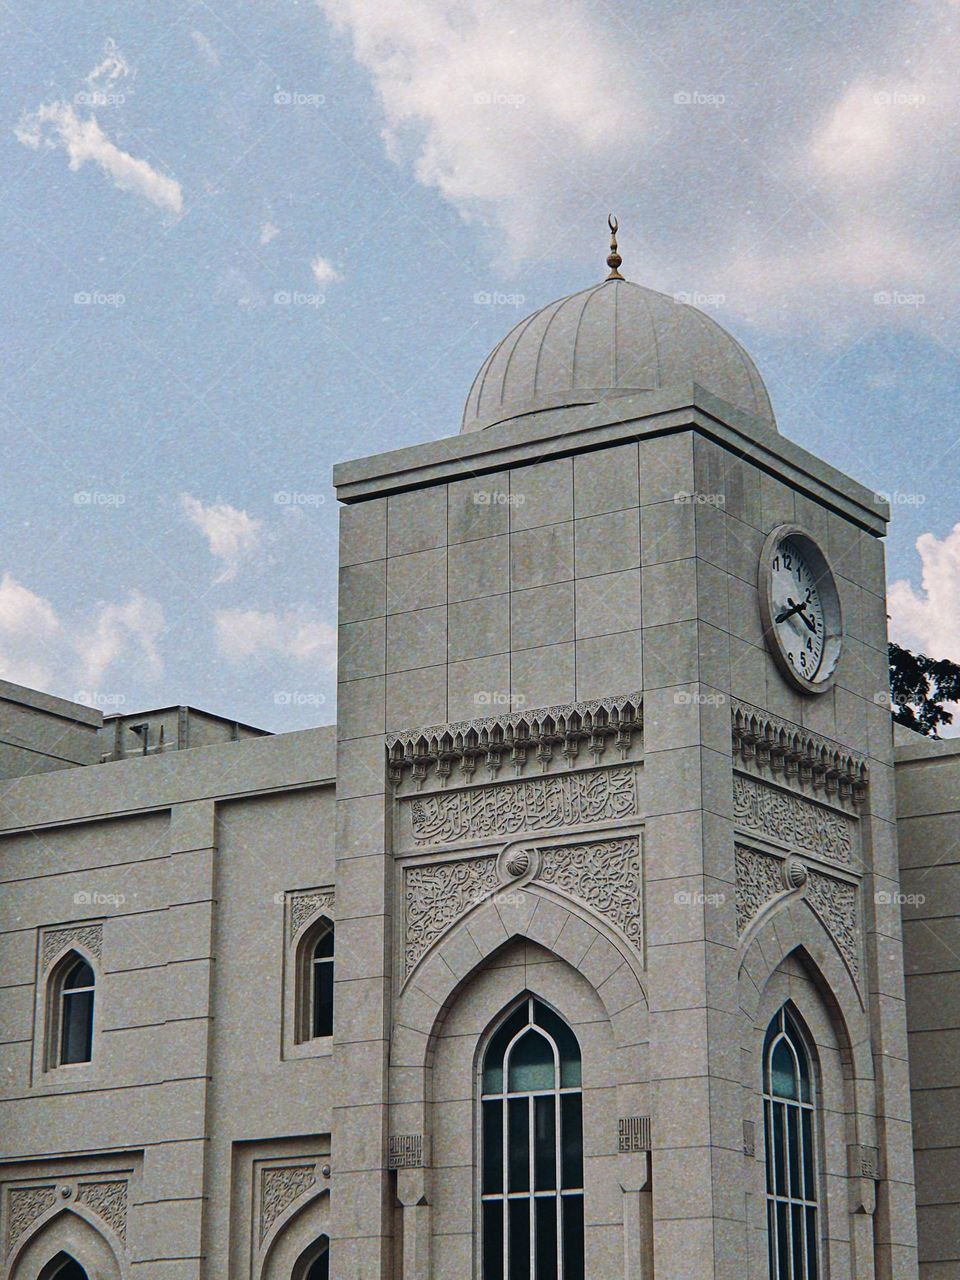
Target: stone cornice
516	737
781	747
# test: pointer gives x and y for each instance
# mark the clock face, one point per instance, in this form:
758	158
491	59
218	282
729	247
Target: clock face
800	607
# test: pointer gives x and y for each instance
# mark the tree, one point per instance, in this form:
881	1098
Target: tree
919	687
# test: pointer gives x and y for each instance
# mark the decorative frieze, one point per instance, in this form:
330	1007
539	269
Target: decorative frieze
793	820
605	874
536	804
759	879
89	936
633	1133
108	1200
439	893
767	742
24	1206
280	1185
516	739
405	1151
306	904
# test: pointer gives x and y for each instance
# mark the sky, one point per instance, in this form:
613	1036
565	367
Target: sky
245	240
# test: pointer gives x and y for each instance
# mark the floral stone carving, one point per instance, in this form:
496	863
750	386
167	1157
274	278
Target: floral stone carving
109	1201
835	902
24	1206
307	906
759	878
792	820
438	894
605	874
554	800
279	1187
57	940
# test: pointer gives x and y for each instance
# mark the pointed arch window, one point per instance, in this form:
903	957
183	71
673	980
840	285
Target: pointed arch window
532	1149
63	1267
315	982
314	1262
789	1113
72	991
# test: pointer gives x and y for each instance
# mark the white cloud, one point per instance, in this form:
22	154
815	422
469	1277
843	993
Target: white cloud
324	272
232	536
928	620
244	634
269	231
206	49
498	110
57	125
42	649
112	67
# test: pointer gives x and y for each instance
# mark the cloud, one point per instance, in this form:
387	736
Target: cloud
44	650
268	232
57	125
232	536
112	67
299	634
324	272
928	620
205	48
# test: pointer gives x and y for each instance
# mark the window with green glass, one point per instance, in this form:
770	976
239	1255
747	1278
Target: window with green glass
789	1114
532	1149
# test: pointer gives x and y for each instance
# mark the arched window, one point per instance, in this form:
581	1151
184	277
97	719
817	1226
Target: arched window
315	982
532	1139
63	1267
314	1262
72	985
789	1113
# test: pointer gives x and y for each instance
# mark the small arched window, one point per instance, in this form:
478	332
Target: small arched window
63	1267
314	1262
72	989
315	982
532	1149
789	1115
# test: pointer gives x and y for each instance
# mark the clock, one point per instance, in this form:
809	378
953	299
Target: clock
800	609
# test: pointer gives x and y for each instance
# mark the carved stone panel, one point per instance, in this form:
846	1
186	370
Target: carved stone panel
57	940
436	895
793	820
835	902
633	1133
530	805
759	878
279	1187
107	1199
605	874
24	1206
405	1151
306	905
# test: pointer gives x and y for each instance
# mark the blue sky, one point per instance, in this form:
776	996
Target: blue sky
243	241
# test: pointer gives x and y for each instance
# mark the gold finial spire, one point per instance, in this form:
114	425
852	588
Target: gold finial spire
613	258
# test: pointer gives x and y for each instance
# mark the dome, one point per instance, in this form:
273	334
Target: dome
612	339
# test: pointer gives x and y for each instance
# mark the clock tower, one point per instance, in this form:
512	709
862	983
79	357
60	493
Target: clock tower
615	775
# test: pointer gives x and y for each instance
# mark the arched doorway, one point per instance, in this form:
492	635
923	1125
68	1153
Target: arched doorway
63	1267
314	1262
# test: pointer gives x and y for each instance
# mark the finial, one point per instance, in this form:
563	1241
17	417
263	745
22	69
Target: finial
613	258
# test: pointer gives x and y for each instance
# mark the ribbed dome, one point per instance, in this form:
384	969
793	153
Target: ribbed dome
613	338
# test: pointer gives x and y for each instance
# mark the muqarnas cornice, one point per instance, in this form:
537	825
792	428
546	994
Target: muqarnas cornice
769	745
516	739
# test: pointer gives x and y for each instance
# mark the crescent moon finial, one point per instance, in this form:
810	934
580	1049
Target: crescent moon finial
613	258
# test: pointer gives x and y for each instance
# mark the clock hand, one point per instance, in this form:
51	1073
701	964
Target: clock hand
784	614
812	625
